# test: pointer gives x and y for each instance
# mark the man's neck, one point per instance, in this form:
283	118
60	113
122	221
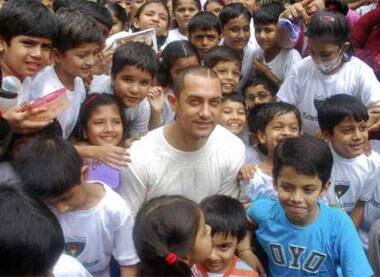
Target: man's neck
66	79
176	138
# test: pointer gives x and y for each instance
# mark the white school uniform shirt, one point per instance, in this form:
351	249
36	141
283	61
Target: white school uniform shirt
173	35
157	168
283	62
92	236
306	87
46	82
259	186
371	210
137	117
67	266
351	180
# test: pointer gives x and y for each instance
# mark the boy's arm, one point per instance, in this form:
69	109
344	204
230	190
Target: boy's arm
357	213
156	100
128	271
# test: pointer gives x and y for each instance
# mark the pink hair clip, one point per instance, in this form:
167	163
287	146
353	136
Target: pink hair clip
171	258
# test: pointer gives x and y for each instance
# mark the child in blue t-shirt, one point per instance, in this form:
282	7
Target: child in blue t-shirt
300	235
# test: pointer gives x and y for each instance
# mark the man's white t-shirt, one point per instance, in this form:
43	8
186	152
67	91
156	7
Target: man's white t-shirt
92	236
137	117
157	168
351	180
305	87
47	82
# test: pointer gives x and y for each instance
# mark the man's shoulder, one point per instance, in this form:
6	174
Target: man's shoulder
225	139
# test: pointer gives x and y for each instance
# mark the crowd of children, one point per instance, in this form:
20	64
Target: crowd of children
189	138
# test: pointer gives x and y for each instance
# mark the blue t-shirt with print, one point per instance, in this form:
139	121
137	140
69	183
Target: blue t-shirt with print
317	249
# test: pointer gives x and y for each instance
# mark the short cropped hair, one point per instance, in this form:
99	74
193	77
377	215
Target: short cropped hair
268	14
261	79
76	28
234	96
336	108
204	21
261	115
196	70
50	166
308	155
31	239
232	11
221	53
135	54
225	215
29	18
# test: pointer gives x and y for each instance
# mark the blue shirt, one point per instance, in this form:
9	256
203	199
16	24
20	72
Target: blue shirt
317	249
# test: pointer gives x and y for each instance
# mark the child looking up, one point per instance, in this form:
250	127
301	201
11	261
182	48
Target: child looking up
96	222
227	218
343	120
205	32
170	236
273	61
214	6
75	52
299	234
226	63
270	123
330	70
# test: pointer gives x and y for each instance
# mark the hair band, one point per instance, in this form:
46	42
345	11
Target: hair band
171	258
90	99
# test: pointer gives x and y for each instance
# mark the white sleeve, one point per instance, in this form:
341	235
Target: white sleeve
368	87
140	122
67	266
370	186
289	91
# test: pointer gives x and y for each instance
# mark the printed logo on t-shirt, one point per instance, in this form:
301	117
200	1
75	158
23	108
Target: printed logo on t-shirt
75	246
341	188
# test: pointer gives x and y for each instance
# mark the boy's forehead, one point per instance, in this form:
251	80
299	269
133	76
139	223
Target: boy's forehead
223	237
350	120
135	71
38	40
293	176
233	104
238	20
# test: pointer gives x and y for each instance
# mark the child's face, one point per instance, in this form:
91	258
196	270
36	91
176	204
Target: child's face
223	250
349	138
233	116
282	126
257	94
25	55
79	61
202	244
228	73
324	52
266	36
185	10
131	85
214	7
104	126
72	200
298	195
236	33
182	63
204	40
117	26
154	16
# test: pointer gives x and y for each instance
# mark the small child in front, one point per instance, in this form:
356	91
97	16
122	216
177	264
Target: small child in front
227	218
300	234
96	222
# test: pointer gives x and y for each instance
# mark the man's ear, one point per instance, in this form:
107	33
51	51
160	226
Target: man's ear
84	174
325	188
3	44
173	101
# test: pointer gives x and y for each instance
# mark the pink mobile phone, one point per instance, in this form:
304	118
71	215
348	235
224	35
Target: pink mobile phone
55	103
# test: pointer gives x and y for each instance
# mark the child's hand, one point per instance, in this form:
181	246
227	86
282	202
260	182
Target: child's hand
298	10
103	62
244	252
114	156
259	65
374	119
156	98
246	172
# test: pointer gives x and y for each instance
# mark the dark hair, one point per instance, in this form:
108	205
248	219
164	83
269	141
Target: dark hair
336	108
204	21
175	4
135	54
208	2
166	224
261	79
222	53
75	29
89	105
50	166
31	239
225	215
196	70
308	155
118	12
234	97
174	51
29	18
268	14
232	11
261	115
329	26
337	5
